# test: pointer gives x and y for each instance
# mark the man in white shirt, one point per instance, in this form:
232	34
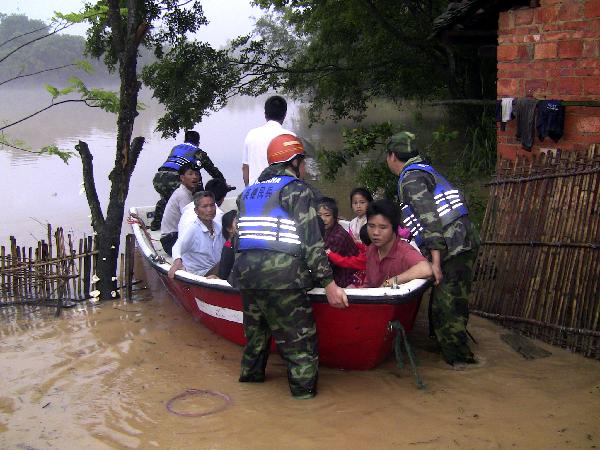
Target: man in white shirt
219	189
198	250
189	176
254	155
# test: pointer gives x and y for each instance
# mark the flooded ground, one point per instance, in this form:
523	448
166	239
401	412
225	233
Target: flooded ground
102	376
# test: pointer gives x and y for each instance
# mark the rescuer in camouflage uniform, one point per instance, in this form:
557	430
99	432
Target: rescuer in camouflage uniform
451	247
273	279
167	180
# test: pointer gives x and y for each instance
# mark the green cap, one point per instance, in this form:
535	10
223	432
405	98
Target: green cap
400	143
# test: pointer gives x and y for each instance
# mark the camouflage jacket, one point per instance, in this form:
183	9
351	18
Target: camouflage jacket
457	237
205	163
264	269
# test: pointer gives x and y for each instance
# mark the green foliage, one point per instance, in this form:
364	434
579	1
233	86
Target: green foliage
190	80
54	92
64	155
377	178
350	53
479	155
357	141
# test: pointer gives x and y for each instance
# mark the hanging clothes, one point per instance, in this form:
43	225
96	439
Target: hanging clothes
550	120
504	108
524	110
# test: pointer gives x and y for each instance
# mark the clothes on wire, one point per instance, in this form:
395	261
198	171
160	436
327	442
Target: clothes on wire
550	119
524	109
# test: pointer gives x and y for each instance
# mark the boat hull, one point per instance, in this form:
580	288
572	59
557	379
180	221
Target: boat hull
358	337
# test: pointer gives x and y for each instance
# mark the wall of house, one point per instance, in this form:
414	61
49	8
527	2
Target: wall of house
552	52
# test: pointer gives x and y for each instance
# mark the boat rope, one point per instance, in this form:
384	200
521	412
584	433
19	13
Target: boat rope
199	392
400	341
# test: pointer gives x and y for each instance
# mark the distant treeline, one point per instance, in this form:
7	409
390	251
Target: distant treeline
46	53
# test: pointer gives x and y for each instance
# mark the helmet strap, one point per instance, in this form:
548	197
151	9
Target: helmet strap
296	167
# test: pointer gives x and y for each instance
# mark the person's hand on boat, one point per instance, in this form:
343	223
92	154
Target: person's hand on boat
177	265
336	296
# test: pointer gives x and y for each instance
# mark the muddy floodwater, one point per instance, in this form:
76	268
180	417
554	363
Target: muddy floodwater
106	376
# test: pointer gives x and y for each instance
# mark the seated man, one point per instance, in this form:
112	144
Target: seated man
189	177
198	250
219	189
390	260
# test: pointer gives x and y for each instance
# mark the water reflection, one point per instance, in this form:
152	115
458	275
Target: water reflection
41	190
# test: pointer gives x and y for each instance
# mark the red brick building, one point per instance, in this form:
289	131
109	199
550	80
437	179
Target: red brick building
547	49
552	52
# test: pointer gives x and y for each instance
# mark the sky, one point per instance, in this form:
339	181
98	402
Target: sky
228	18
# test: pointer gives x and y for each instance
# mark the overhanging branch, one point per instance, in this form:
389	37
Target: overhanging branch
36	73
45	109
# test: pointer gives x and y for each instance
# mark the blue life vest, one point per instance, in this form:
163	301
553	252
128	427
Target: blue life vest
263	224
450	203
180	155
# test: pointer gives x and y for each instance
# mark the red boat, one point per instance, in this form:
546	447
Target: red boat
358	337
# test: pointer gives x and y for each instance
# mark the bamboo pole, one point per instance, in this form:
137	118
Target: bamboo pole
79	270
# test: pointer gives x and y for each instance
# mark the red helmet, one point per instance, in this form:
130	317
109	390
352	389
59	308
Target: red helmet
284	148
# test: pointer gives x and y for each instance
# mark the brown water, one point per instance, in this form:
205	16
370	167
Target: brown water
101	377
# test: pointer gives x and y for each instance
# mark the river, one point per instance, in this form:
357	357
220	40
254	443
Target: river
102	376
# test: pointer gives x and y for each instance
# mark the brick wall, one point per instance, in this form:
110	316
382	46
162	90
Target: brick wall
552	52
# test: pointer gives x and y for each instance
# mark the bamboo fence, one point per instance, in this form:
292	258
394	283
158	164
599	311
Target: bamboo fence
538	268
56	272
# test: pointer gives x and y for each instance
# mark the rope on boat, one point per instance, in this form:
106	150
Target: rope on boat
135	219
401	339
195	392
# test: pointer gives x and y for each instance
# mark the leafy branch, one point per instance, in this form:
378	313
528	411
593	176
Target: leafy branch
65	155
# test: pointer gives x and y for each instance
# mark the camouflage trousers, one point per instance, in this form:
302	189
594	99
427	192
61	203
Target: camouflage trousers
450	308
287	316
165	182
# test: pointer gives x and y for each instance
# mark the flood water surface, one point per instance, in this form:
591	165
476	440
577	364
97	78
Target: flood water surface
108	376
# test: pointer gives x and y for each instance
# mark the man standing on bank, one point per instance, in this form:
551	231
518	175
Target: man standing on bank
254	155
436	214
281	257
166	179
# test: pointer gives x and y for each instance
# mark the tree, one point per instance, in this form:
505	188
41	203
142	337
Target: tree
189	77
342	56
353	52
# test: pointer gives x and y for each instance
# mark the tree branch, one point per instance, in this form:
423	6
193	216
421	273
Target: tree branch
44	109
89	185
24	34
134	152
392	29
35	73
34	40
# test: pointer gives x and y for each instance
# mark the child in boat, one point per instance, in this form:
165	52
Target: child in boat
359	200
229	222
336	239
358	262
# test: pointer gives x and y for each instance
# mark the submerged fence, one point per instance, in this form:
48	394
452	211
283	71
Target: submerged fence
56	272
539	265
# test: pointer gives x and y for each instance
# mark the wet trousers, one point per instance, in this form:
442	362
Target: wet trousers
165	182
450	308
287	316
